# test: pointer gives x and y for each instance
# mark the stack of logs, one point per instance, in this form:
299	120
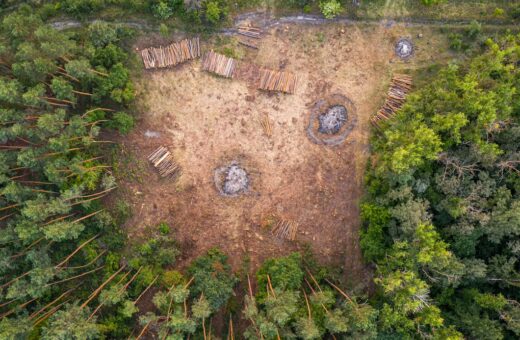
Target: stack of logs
171	55
285	230
267	125
248	34
281	81
163	161
400	85
219	64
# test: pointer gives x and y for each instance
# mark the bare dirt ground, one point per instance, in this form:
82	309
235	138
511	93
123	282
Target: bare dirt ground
208	121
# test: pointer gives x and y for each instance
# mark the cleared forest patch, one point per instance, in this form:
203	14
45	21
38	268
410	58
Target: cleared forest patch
210	123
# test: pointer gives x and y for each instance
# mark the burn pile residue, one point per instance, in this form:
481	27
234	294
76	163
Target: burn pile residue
404	48
232	180
331	120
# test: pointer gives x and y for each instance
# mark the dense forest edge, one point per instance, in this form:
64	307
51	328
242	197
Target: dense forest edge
441	214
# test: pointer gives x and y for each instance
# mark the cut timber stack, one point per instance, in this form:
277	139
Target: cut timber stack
163	161
267	125
219	64
249	31
400	85
249	34
285	230
171	55
281	81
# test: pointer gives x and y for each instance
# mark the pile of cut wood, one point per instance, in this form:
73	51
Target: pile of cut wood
281	81
219	64
249	34
285	230
163	161
171	55
400	85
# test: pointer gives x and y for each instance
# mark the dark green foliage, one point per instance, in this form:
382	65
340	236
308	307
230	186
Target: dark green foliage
456	42
55	232
515	12
213	278
101	34
372	238
290	302
159	251
122	121
442	217
71	323
285	273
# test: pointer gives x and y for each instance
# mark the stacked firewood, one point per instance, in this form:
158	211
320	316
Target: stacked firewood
219	64
281	81
249	34
163	161
285	230
171	55
400	85
267	125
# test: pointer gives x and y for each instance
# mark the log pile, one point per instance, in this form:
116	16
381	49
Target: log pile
281	81
400	85
267	125
171	55
219	64
163	161
249	31
249	34
285	230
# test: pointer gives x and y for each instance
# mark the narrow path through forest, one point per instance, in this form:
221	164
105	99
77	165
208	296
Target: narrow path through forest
266	20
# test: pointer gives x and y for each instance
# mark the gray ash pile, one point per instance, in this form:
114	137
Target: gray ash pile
231	180
331	121
404	48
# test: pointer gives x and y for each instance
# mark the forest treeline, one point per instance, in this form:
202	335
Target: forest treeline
443	211
441	215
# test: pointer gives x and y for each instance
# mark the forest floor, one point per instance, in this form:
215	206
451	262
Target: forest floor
207	121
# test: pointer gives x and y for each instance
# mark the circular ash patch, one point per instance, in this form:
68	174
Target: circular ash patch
333	119
231	180
404	48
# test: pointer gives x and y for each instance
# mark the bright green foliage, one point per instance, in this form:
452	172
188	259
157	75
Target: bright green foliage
212	277
432	2
442	213
410	145
212	12
18	328
201	308
330	8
